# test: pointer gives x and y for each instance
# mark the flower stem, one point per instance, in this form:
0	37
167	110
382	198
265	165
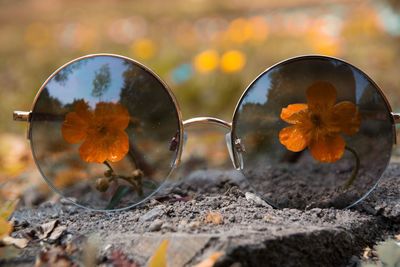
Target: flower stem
108	165
133	183
355	170
136	185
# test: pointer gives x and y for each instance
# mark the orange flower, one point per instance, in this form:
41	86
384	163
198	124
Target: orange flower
102	131
319	124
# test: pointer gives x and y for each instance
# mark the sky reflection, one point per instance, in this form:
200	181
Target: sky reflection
79	83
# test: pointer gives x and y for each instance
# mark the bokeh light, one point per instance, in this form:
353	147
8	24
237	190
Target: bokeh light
206	61
207	51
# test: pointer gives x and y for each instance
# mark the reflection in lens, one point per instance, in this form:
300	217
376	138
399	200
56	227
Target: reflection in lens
101	132
317	132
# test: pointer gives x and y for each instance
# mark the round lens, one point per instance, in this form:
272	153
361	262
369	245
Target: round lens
313	132
105	132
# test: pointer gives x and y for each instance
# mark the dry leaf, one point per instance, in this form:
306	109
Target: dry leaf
46	229
118	258
54	257
18	242
397	237
159	258
210	261
214	217
57	232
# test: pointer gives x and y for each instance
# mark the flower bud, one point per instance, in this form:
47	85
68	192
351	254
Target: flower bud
137	174
108	173
102	184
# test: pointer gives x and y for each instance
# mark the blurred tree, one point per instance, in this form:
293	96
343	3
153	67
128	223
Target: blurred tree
102	81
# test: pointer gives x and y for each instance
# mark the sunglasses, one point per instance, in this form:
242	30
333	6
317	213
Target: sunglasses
312	131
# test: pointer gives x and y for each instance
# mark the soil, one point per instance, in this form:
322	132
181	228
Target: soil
251	232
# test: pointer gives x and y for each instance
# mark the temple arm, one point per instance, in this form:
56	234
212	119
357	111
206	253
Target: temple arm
396	117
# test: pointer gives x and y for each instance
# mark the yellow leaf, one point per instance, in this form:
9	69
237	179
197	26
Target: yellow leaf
7	209
159	258
5	228
210	261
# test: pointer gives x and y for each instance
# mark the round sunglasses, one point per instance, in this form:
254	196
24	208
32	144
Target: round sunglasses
312	131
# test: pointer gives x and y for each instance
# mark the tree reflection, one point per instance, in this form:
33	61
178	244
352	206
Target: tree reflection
102	81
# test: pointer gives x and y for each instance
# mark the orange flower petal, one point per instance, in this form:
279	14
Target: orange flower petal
83	110
119	148
294	138
346	116
99	147
93	150
321	96
122	118
114	115
74	128
327	148
294	113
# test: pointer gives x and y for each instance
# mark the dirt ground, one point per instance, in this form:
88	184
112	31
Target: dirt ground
244	228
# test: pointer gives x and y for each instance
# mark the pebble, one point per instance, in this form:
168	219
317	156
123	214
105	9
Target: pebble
194	225
168	227
156	225
256	200
257	216
153	214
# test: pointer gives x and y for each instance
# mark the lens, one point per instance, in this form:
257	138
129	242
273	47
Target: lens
316	132
105	132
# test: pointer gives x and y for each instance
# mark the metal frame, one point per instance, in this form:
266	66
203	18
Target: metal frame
27	115
234	145
207	120
394	117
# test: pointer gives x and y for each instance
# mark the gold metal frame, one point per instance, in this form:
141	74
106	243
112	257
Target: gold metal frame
235	145
27	115
207	120
394	117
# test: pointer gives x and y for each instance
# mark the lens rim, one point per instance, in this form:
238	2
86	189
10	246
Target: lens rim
312	57
172	97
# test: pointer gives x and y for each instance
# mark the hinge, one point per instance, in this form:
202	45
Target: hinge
22	115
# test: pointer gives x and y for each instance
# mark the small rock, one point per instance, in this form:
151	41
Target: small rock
257	216
156	225
316	211
194	225
256	200
168	227
153	214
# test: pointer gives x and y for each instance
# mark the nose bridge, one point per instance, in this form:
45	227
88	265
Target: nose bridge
207	120
237	163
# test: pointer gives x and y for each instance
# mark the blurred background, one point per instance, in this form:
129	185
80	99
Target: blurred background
207	51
